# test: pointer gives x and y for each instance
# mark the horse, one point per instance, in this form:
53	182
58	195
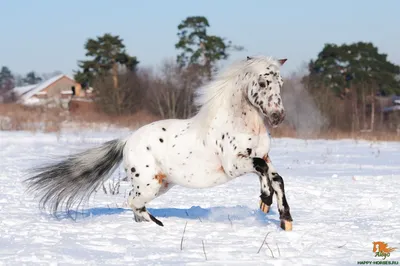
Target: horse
226	138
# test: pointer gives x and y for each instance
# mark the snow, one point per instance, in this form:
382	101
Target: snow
343	196
23	89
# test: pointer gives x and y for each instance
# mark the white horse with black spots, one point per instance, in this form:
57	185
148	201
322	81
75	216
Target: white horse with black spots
226	139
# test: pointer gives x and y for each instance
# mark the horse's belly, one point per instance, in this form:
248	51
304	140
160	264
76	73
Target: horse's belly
198	179
197	172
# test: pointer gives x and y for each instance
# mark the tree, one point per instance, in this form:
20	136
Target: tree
18	80
342	66
357	72
170	94
31	78
6	80
107	54
200	48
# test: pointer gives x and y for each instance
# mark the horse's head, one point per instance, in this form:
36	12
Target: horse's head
379	246
375	249
264	91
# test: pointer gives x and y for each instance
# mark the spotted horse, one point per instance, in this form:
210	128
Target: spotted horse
227	138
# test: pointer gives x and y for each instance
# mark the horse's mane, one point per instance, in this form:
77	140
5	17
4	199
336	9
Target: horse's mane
210	97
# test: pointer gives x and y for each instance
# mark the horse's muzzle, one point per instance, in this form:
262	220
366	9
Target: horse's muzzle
276	118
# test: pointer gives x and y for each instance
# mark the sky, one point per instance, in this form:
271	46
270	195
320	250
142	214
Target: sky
47	35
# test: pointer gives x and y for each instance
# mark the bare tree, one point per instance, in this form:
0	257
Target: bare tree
172	90
127	98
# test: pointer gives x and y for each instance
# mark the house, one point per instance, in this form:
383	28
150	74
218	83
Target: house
392	113
54	92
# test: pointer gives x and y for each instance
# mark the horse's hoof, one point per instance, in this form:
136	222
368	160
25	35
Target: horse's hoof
286	225
264	207
154	219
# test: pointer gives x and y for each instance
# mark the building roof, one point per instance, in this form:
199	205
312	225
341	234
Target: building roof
23	89
39	87
396	100
391	108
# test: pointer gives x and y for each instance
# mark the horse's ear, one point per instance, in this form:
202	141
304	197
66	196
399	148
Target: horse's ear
249	58
282	61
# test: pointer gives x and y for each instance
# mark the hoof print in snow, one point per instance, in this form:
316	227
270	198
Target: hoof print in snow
286	225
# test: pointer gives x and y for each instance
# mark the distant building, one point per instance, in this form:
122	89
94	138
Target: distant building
54	92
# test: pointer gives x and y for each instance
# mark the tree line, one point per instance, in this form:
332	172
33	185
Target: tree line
340	85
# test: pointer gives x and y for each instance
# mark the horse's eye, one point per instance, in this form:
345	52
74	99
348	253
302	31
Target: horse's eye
262	84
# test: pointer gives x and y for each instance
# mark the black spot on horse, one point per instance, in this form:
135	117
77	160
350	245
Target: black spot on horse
161	140
164	129
249	151
133	169
148	148
137	175
147	165
223	136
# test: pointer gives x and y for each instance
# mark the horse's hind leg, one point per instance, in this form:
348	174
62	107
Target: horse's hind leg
143	191
148	182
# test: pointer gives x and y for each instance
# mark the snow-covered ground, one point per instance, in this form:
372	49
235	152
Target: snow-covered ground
343	196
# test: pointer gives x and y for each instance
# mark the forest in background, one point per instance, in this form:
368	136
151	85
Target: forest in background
342	91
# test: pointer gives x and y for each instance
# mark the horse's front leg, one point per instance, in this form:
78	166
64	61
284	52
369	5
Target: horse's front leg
267	193
274	183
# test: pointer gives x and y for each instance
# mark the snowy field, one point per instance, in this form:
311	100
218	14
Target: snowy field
343	196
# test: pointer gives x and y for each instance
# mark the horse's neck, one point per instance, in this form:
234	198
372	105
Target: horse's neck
228	111
238	116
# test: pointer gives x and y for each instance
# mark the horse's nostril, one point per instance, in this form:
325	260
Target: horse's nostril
275	116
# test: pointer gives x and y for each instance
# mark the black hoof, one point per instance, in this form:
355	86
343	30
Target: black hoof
286	225
154	219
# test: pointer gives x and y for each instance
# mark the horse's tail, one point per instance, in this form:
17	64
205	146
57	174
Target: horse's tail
76	177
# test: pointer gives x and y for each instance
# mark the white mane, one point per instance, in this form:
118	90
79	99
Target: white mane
213	95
